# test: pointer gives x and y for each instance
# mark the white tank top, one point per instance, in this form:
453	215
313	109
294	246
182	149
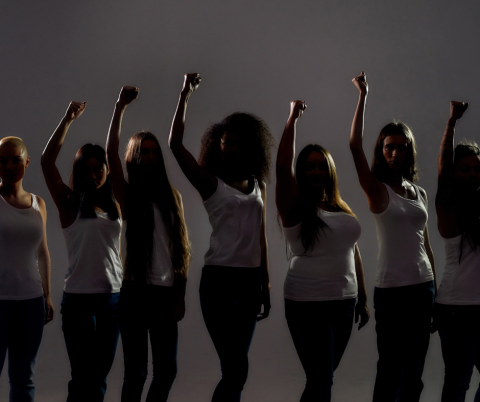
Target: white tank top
21	232
402	259
327	270
93	247
236	220
162	273
460	282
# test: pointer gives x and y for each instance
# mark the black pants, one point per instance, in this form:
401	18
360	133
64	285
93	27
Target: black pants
320	331
145	309
459	329
403	315
230	301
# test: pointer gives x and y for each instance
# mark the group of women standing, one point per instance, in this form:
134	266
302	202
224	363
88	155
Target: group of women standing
324	289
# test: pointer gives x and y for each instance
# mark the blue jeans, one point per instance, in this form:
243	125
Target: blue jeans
403	315
90	329
230	302
21	329
145	309
320	331
459	329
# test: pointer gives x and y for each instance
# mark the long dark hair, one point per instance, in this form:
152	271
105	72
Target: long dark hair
467	202
143	189
256	143
311	222
83	191
380	168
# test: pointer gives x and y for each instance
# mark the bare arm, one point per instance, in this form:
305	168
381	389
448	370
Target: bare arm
444	199
361	308
265	278
44	265
180	283
127	96
375	191
60	192
287	196
201	179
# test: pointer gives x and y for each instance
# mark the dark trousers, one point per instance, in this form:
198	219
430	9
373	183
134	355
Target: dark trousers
21	329
320	331
90	329
230	302
403	315
459	329
145	309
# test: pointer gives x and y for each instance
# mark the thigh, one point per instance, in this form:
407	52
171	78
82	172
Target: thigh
4	328
342	323
25	335
163	330
460	340
107	333
312	336
134	332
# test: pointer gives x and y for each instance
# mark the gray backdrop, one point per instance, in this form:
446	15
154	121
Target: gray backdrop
252	56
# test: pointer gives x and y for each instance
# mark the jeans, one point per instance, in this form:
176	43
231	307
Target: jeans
320	331
403	315
459	329
230	302
21	329
90	329
147	309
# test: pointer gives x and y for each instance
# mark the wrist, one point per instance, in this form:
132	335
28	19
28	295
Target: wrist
451	122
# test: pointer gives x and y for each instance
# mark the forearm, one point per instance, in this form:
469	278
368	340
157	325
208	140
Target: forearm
180	286
360	274
286	149
55	142
356	133
178	125
113	139
265	276
44	267
444	196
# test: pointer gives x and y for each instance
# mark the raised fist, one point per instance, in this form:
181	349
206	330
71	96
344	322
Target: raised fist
297	108
457	109
128	95
191	83
361	83
75	110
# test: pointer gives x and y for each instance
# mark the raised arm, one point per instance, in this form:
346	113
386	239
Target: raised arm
61	193
44	264
375	191
127	96
444	199
202	180
287	196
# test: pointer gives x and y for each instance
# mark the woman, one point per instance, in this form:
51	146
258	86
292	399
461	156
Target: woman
230	177
326	271
92	228
25	302
457	305
152	298
404	287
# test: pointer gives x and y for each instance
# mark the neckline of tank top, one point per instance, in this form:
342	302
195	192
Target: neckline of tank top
18	209
233	188
417	192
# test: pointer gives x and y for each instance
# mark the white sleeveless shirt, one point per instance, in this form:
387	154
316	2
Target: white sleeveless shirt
236	220
402	259
93	247
325	271
21	233
461	281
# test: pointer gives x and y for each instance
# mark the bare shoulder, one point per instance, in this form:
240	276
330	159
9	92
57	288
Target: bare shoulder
423	193
41	203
